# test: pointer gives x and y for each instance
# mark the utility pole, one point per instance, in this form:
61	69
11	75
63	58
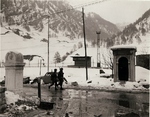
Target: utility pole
48	48
40	67
85	43
98	49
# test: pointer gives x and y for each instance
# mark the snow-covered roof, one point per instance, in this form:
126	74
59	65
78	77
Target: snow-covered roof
116	47
80	56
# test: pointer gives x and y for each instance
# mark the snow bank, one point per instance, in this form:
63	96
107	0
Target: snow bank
142	74
11	97
17	105
101	81
95	79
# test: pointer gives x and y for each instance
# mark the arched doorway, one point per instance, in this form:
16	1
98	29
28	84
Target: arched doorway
123	69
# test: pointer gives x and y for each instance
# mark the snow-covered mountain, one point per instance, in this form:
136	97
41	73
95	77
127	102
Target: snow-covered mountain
64	20
24	29
96	23
135	33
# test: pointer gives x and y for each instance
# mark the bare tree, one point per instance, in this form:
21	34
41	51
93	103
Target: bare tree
108	60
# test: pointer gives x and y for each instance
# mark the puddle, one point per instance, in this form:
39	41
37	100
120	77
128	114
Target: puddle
83	103
111	104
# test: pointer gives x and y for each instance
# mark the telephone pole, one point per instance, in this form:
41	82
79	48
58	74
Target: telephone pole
85	43
98	49
48	48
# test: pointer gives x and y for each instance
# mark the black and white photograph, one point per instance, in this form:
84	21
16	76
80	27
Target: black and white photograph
74	58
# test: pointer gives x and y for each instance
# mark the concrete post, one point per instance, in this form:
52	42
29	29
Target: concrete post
14	71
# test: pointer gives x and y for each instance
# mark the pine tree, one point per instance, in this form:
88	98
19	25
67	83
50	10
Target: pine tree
57	57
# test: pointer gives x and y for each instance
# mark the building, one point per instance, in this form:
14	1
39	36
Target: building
143	60
79	61
124	63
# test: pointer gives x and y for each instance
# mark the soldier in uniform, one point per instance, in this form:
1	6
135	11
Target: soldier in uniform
54	79
61	78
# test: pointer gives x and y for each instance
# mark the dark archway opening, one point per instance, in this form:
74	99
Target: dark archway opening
123	69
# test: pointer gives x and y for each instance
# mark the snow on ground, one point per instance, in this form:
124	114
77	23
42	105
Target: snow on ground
13	42
98	81
142	74
78	75
17	105
9	98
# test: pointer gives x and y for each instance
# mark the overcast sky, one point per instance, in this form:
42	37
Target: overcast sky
116	11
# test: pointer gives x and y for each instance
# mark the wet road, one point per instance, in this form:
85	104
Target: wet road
83	103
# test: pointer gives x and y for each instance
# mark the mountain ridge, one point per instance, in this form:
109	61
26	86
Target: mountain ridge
68	23
132	33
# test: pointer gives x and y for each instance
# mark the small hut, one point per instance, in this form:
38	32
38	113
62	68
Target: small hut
124	62
80	61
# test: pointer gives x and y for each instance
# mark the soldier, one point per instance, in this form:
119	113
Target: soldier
61	78
54	79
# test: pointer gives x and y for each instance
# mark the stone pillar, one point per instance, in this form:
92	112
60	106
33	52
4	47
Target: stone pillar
14	71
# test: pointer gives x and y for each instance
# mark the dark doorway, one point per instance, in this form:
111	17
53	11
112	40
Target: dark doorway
123	69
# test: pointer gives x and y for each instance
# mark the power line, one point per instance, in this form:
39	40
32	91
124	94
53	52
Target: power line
88	4
78	6
73	8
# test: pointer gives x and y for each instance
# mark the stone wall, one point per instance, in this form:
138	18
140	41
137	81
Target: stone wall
2	99
143	61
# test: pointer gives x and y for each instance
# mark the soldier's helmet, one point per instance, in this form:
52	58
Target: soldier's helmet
61	69
55	70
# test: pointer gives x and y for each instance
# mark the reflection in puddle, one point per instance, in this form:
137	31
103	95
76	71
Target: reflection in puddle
110	104
123	100
84	103
124	103
141	105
